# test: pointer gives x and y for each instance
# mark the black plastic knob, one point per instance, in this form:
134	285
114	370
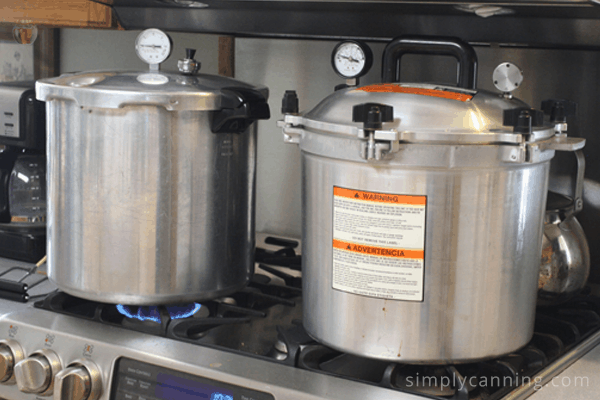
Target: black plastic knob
373	115
190	53
559	109
523	119
289	104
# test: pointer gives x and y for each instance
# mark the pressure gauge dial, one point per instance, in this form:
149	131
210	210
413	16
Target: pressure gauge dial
153	46
351	59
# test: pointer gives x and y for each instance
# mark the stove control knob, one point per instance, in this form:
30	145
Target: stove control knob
35	374
81	380
10	354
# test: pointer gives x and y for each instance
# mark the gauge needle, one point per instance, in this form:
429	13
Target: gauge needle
348	58
154	46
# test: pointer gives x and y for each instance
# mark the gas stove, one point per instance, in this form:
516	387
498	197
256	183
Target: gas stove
252	346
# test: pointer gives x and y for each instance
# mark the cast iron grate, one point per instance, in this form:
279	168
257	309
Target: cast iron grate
223	323
226	311
16	288
557	330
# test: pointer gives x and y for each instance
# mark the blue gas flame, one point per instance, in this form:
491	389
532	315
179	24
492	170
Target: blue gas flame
151	313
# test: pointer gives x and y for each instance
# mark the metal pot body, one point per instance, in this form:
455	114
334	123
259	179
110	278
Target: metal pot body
482	243
565	265
147	205
423	218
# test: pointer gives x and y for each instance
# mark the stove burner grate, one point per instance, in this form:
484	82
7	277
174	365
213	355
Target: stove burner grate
557	330
243	322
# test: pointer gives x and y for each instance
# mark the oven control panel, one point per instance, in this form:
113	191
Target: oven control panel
135	380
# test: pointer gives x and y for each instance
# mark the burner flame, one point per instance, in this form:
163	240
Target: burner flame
151	313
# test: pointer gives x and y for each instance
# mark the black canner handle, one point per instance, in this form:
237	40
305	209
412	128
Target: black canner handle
431	45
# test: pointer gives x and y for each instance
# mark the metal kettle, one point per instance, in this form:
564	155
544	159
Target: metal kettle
565	264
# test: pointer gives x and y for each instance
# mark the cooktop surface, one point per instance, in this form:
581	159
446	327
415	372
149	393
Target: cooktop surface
251	345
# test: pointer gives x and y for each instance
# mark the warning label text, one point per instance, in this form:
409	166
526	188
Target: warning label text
378	244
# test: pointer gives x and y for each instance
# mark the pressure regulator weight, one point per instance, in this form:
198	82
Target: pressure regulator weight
351	59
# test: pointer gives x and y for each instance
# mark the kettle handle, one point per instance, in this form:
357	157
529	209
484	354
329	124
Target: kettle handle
431	45
578	195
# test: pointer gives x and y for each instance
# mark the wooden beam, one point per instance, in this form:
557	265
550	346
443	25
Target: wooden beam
227	56
58	13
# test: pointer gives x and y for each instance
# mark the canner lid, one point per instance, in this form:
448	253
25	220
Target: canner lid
174	91
425	112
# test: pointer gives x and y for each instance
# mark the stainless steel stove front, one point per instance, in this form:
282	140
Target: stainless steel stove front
73	340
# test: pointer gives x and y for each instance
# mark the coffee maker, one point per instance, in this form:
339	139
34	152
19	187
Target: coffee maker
22	172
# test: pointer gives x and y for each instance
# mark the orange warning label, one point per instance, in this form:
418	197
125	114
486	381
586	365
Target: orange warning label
395	88
379	197
378	251
379	244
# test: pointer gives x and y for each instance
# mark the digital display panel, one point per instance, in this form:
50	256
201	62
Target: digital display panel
170	387
137	380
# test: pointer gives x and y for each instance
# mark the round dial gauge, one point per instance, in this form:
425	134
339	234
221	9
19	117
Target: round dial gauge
351	59
153	46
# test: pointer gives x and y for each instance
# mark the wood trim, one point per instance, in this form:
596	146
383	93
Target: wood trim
46	53
63	13
227	56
